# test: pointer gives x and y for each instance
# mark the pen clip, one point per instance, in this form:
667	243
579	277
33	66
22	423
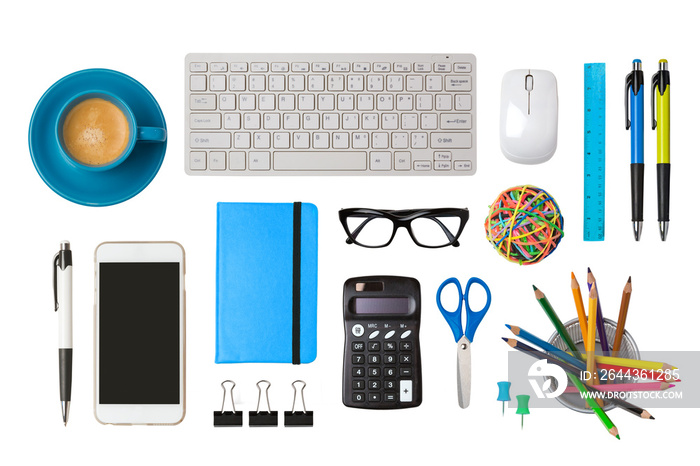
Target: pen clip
654	86
55	282
628	85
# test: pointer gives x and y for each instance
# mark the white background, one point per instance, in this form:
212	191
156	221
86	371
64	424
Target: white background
43	41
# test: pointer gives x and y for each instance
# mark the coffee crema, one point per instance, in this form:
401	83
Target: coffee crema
95	132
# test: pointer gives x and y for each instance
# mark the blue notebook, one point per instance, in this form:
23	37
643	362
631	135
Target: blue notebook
266	282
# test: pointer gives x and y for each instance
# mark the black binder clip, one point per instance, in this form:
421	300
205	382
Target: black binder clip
228	418
263	418
299	418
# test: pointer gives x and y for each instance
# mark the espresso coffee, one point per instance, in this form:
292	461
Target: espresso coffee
95	132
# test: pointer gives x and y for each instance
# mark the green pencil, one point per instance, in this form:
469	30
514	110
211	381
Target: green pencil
561	330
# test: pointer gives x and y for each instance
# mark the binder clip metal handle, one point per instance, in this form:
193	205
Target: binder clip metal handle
259	418
228	418
295	418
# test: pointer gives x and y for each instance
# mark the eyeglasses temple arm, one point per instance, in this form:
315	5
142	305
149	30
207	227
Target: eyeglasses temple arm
353	235
447	232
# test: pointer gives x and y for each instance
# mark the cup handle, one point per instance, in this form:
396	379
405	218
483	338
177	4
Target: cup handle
150	134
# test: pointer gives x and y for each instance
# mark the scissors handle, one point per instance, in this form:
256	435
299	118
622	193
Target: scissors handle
474	318
454	318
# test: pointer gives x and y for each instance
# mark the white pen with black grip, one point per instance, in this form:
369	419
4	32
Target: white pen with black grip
63	298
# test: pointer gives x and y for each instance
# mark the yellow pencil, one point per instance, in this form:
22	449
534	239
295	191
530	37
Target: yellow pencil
583	324
590	345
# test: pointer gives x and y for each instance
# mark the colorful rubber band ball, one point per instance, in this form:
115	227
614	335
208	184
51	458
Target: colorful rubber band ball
524	224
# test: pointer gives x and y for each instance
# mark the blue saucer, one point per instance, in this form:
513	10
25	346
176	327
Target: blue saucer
92	188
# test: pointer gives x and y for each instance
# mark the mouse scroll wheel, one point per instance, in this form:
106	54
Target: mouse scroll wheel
528	82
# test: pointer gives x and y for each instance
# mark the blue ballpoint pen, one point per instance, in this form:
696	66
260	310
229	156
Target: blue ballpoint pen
634	116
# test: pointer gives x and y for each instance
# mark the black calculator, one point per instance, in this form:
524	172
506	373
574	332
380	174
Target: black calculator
381	364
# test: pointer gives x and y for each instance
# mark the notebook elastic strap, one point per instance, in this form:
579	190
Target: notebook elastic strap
296	286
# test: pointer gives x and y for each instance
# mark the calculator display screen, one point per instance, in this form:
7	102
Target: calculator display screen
382	306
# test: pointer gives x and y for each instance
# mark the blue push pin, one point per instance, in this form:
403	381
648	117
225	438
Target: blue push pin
503	394
523	409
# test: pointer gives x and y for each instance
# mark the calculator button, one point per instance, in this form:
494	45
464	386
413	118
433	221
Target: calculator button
389	359
374	346
390	397
390	384
406	359
390	334
373	372
374	359
359	372
358	384
405	334
373	335
358	330
389	346
405	372
406	346
358	358
358	346
374	397
389	372
374	385
406	391
358	397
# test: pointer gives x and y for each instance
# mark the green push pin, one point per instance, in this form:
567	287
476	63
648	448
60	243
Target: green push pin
523	400
503	394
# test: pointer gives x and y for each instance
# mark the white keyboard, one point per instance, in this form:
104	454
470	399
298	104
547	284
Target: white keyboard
330	114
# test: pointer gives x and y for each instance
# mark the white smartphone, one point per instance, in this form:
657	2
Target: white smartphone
140	333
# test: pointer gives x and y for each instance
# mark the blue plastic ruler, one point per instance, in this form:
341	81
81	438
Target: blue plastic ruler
594	152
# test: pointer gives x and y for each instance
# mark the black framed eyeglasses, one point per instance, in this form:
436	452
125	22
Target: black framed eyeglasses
428	228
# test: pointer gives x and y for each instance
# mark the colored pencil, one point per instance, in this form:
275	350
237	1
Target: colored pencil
563	355
629	387
590	342
622	317
602	336
513	343
554	318
578	300
629	407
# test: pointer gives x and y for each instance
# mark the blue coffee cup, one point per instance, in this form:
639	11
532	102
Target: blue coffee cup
137	134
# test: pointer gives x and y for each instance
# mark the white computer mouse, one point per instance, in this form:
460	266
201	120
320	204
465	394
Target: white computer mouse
529	116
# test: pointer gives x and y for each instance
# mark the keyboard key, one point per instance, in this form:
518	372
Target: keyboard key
356	82
278	67
458	83
358	384
422	165
361	67
428	121
399	140
422	67
321	140
433	83
351	121
259	160
219	67
358	397
210	140
317	83
405	391
341	141
442	67
256	82
236	82
227	102
276	82
232	121
442	155
450	140
424	102
380	161
414	83
198	160
295	83
358	371
365	102
300	67
311	121
239	67
331	121
341	67
310	161
463	165
455	121
241	140
370	121
326	102
390	121
419	140
382	67
251	121
463	102
281	140
385	102
358	346
402	160
266	102
409	121
246	102
346	102
375	83
360	141
236	160
198	67
443	165
394	83
271	121
292	121
205	121
380	140
404	102
261	140
321	67
302	140
443	102
258	67
402	67
374	397
198	83
306	102
217	160
463	68
286	102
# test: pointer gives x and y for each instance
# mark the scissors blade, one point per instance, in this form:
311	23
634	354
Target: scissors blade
464	372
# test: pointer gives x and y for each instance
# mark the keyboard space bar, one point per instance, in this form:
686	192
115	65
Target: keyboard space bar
318	161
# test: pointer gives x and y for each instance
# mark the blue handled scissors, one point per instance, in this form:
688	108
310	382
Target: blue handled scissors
464	338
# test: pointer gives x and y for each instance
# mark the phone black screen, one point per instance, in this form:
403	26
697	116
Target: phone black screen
139	333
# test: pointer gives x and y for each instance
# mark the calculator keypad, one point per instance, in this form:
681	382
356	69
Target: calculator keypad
385	369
